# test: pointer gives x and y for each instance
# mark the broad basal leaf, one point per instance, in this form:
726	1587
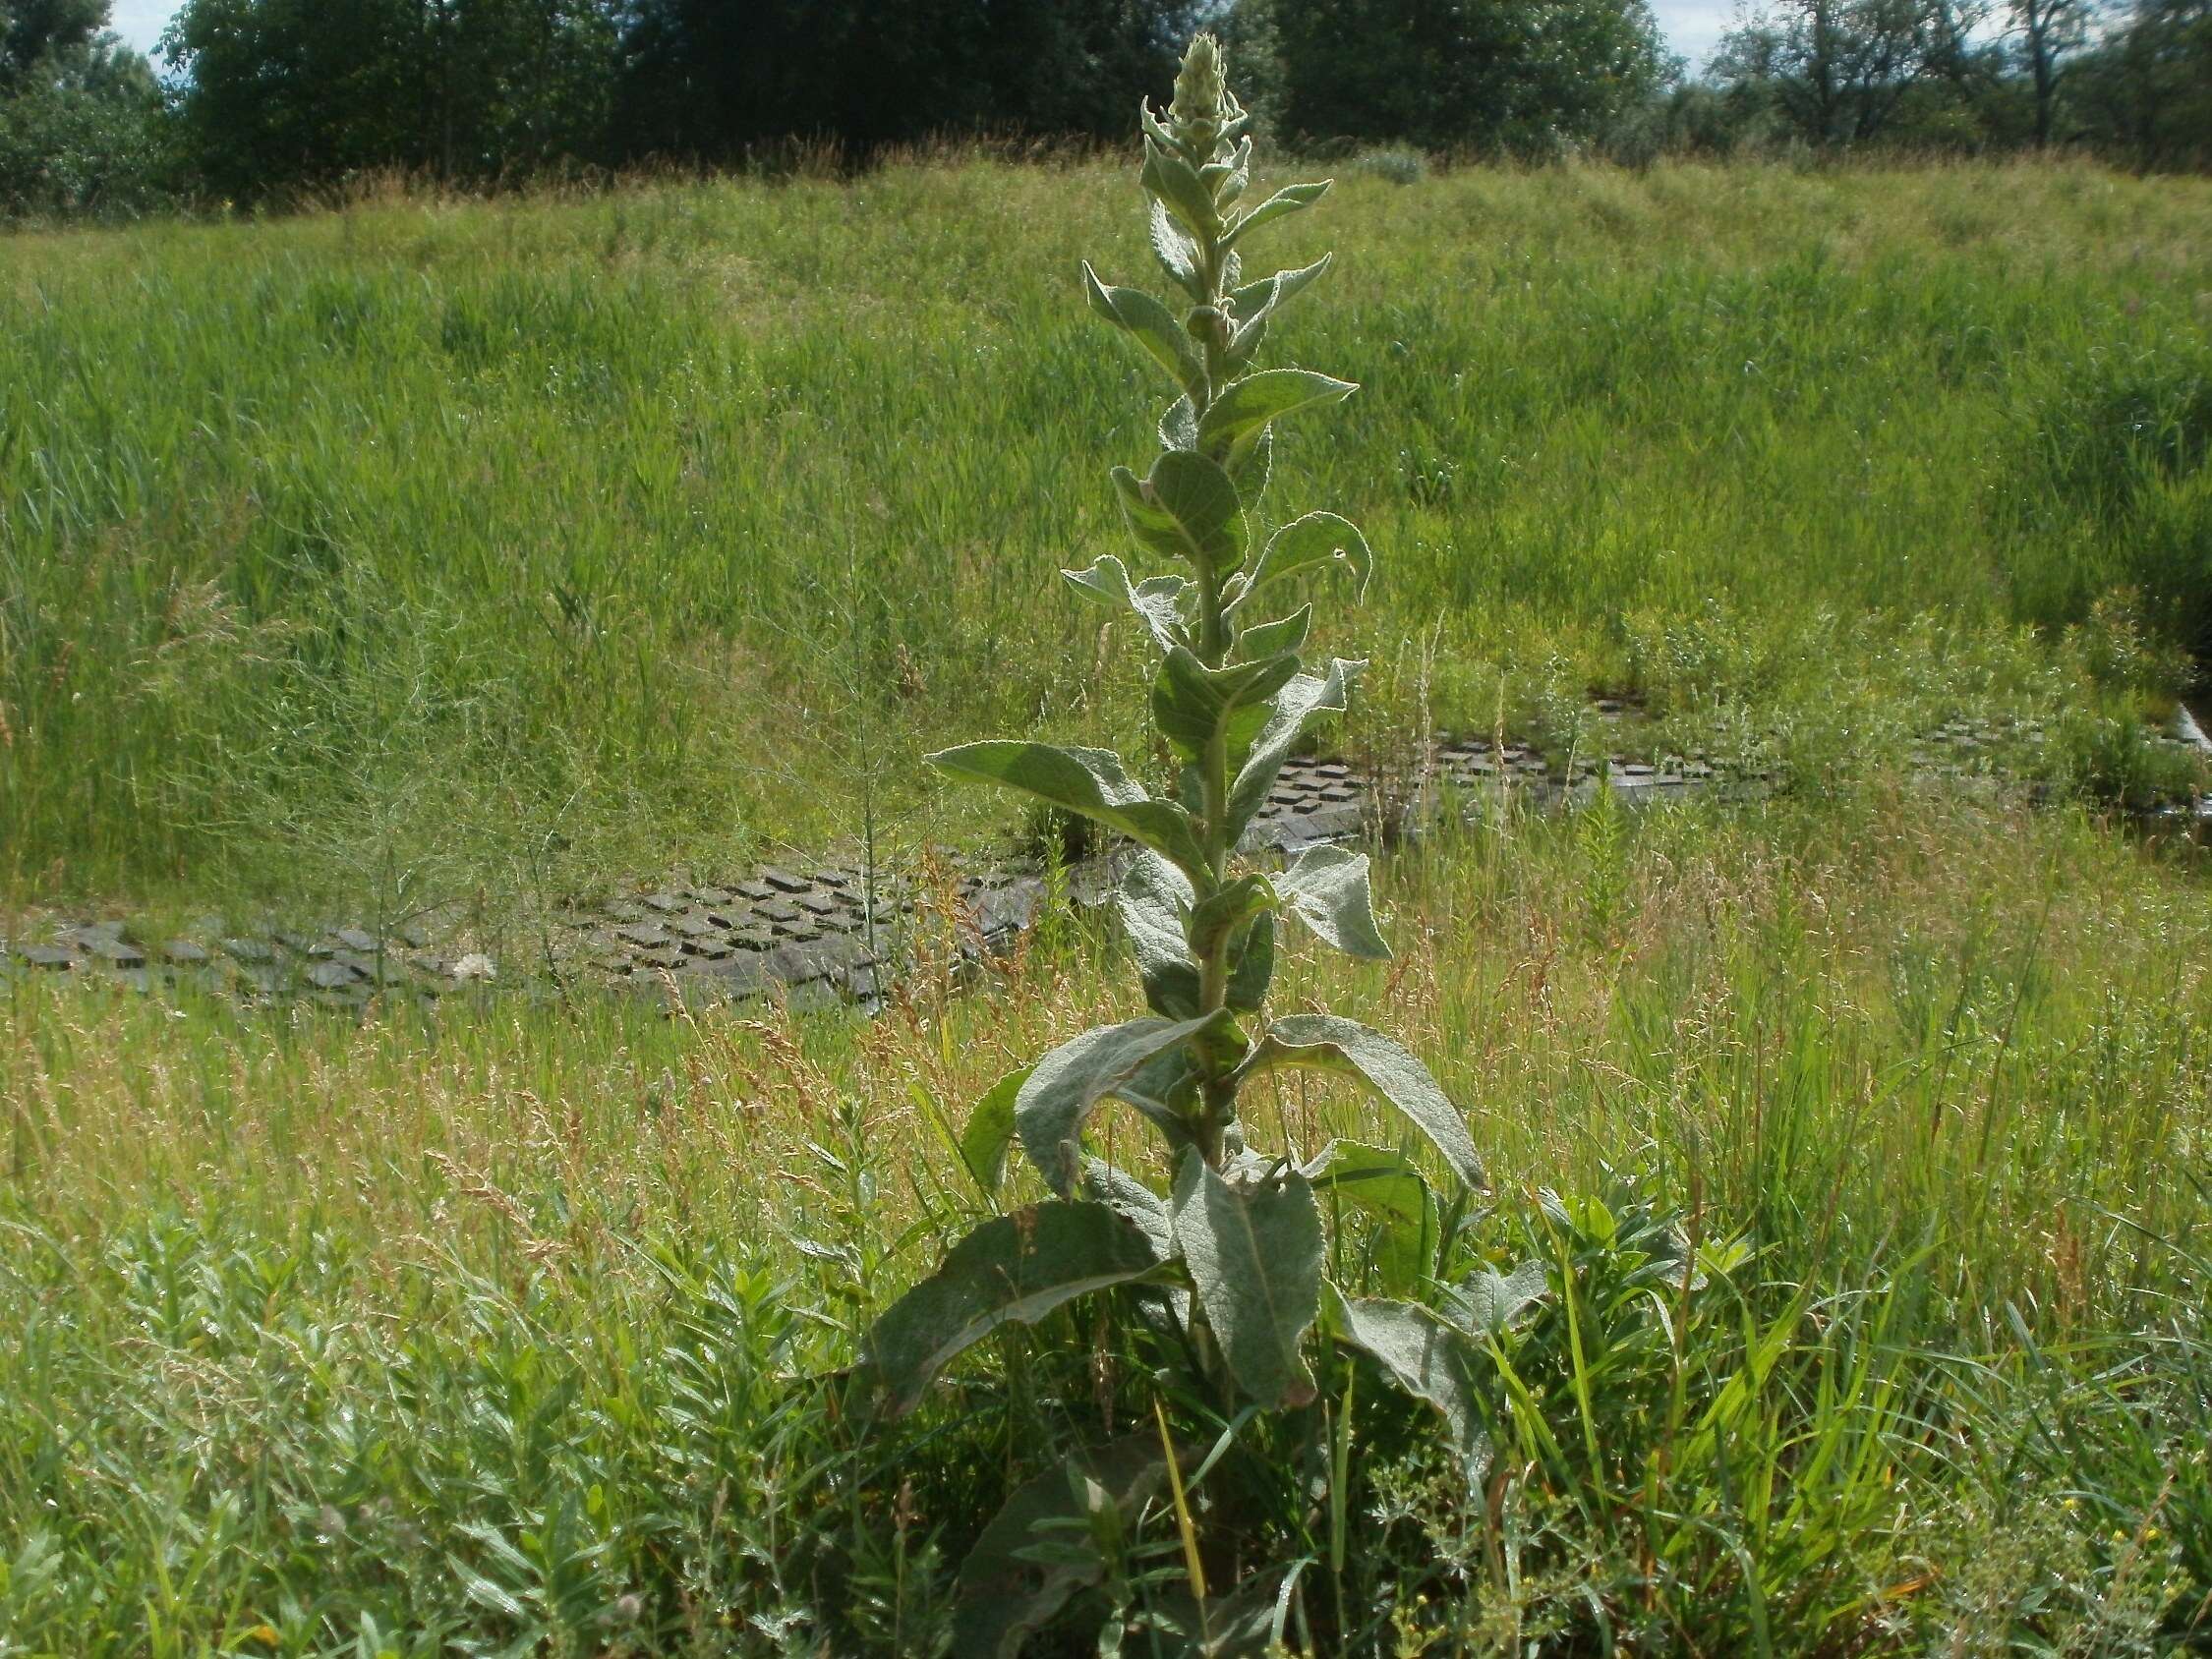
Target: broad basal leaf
1328	1043
1254	1250
1242	410
1326	888
1305	696
1186	508
1195	705
1291	199
1006	1591
1154	327
1051	1107
1088	781
1310	542
1431	1361
1157	600
1013	1268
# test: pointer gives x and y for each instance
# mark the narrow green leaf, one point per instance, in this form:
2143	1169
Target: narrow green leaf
1004	1594
1255	298
1254	1249
1317	538
1194	704
1326	888
1256	305
1187	508
1431	1361
1291	199
1089	781
1153	896
1157	600
1069	1082
1154	327
1243	408
1174	184
1305	696
1013	1268
1328	1043
990	1128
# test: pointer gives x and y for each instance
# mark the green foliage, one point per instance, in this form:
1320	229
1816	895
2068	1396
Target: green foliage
80	117
1241	1239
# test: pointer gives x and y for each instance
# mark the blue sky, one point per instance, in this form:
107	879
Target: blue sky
1690	25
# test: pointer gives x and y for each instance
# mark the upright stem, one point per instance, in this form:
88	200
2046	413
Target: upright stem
1217	1096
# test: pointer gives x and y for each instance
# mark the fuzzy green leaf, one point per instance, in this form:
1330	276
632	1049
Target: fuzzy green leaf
1186	509
1177	253
1488	1301
1253	964
1317	538
1291	199
1431	1361
1005	1593
1326	888
1243	410
1272	639
1174	184
1179	427
1305	696
1013	1268
1328	1043
1088	781
990	1128
1154	327
1157	600
1256	305
1068	1083
1254	1249
1385	1184
1194	706
1220	914
1153	896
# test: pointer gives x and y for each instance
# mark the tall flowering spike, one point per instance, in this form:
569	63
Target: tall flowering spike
1204	106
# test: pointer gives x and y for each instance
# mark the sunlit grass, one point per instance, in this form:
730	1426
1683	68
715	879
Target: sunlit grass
500	1326
508	544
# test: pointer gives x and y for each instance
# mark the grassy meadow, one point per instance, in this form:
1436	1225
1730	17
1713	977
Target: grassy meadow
500	550
511	1333
515	543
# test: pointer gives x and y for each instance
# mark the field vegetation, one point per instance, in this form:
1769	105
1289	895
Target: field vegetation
513	1331
522	543
1843	1265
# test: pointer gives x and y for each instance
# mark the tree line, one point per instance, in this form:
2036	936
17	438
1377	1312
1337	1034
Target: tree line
268	100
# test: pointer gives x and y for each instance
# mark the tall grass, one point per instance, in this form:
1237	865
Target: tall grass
506	1332
546	536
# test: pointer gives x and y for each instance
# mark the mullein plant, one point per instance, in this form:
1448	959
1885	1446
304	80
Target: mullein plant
1230	1261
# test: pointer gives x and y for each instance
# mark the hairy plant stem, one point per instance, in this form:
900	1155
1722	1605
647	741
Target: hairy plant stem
1217	1095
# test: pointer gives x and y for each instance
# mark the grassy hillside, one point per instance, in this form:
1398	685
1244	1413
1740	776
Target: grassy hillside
512	541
